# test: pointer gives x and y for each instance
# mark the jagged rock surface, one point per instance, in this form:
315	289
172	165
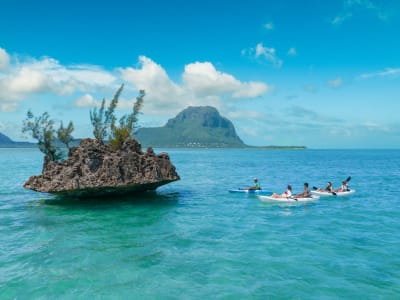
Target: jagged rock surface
94	169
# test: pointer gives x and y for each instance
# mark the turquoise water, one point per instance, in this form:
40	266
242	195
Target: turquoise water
192	239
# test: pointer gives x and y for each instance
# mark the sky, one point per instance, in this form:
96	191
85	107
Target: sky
324	74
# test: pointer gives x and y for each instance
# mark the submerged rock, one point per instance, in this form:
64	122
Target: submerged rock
96	169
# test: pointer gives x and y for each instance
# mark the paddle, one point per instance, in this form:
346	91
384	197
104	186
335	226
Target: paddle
347	180
334	193
315	188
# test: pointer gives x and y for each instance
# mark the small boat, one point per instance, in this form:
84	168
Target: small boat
255	192
289	199
333	194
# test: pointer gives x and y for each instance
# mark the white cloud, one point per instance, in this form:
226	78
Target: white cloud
352	7
339	19
269	26
388	72
8	106
335	83
372	126
202	85
161	92
4	59
22	79
204	80
292	52
265	54
87	100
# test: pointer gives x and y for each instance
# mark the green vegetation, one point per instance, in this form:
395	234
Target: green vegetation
42	129
105	122
102	119
64	134
127	123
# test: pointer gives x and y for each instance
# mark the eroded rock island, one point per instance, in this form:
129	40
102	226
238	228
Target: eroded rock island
96	169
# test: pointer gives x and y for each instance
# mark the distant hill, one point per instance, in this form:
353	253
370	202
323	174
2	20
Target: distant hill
197	127
5	139
6	142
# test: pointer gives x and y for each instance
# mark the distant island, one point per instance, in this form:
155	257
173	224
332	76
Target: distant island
197	127
194	127
6	142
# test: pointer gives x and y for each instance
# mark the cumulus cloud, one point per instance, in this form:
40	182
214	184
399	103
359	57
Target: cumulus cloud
22	79
161	92
202	84
87	100
4	59
204	80
335	83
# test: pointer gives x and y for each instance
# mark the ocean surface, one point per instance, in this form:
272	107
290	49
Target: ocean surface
193	240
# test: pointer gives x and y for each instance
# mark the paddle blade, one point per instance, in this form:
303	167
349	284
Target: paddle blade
314	188
348	179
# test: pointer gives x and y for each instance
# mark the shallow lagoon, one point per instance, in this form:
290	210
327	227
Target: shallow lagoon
193	239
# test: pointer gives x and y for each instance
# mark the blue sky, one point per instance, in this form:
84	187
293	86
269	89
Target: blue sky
325	74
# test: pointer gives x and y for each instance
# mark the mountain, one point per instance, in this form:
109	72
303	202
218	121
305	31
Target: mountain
6	142
197	127
5	139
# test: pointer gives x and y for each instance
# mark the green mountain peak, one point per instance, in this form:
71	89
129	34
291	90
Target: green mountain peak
199	126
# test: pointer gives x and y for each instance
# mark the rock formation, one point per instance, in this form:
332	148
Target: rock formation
96	169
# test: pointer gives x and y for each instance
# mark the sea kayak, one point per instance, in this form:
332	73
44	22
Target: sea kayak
336	194
290	199
255	192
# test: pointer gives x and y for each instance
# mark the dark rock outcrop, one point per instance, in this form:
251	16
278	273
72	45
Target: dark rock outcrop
95	169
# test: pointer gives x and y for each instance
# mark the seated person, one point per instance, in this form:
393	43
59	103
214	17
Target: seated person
306	192
286	194
328	188
343	187
255	186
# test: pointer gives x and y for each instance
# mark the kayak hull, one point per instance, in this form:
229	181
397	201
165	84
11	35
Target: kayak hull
287	200
329	194
251	192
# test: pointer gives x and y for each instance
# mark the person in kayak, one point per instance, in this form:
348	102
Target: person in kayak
285	194
306	192
255	186
328	188
343	187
